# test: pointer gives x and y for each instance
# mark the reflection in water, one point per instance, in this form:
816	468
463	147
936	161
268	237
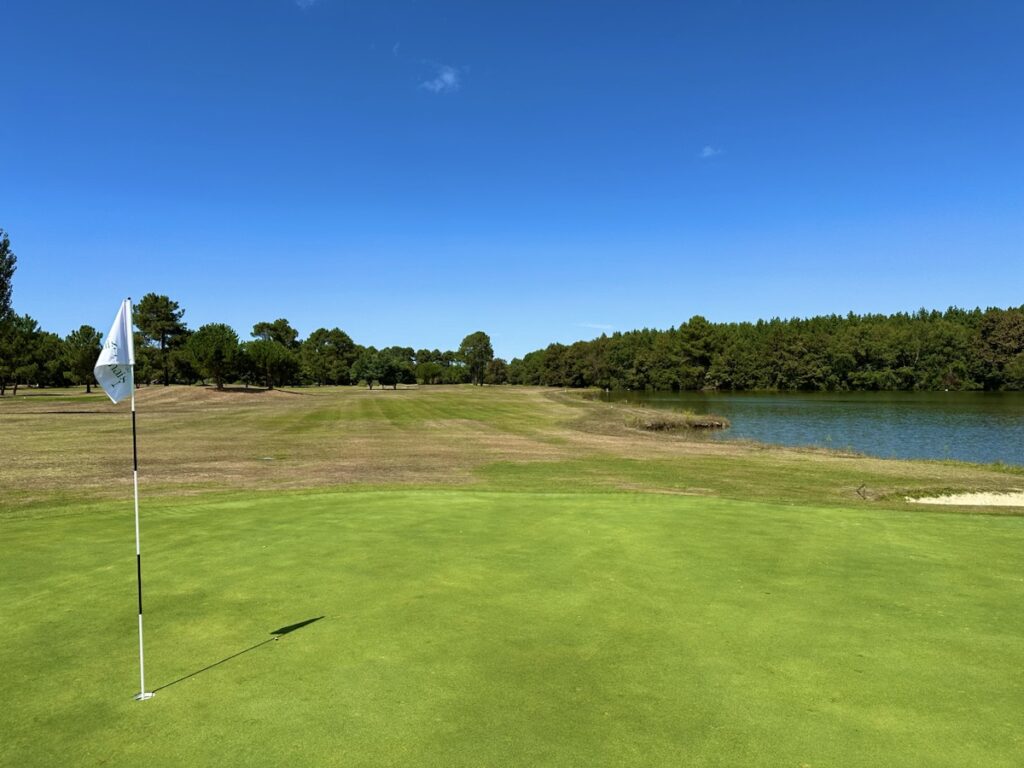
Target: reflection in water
967	426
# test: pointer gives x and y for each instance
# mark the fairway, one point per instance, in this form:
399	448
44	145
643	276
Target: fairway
578	600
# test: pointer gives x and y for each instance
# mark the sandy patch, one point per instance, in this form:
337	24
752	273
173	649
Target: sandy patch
1014	499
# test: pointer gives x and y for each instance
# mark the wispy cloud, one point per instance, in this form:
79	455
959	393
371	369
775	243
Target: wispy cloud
596	326
306	3
709	151
446	80
395	47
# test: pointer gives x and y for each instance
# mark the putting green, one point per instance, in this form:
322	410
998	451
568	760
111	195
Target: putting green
493	628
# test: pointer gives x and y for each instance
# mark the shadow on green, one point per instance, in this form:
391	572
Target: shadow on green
277	634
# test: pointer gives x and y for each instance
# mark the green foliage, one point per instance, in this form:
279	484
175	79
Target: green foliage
214	348
327	356
389	371
957	349
28	355
81	348
50	348
496	372
368	367
1002	342
10	337
183	364
8	262
429	372
927	350
476	352
1013	372
280	331
396	367
275	363
159	320
437	367
148	361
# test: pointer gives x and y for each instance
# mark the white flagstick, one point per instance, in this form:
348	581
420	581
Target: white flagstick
143	693
115	372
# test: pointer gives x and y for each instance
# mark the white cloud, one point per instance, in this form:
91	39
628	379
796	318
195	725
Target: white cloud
596	326
447	80
306	3
709	151
395	47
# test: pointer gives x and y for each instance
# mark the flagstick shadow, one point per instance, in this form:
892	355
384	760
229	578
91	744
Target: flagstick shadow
277	635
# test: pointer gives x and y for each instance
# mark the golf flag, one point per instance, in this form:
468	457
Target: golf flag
114	368
115	371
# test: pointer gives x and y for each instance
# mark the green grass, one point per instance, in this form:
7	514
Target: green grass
495	628
506	578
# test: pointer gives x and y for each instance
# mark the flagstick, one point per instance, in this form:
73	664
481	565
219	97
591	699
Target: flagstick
143	694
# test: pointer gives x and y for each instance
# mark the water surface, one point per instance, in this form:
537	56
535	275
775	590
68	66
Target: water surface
967	426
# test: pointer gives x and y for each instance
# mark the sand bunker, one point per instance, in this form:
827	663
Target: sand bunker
1013	499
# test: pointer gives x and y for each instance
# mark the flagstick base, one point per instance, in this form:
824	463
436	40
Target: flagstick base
144	695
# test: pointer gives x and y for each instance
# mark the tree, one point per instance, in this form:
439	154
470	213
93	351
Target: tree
367	367
274	361
429	372
7	266
395	367
8	332
496	372
476	352
1013	373
279	330
696	342
148	363
21	352
81	348
1002	340
50	348
183	364
327	356
214	348
159	320
553	373
389	371
8	345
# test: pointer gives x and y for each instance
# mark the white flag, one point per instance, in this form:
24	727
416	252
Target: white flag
115	368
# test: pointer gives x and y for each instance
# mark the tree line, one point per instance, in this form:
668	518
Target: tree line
167	351
928	350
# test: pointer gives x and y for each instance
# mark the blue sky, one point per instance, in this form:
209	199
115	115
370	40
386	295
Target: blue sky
543	171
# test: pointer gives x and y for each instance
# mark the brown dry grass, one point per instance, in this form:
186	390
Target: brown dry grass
64	446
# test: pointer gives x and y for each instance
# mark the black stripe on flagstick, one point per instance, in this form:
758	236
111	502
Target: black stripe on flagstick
135	459
135	447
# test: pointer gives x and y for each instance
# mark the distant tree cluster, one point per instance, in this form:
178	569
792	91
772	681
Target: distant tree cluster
167	351
276	356
956	350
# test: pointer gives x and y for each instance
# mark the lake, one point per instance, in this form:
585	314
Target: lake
981	427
